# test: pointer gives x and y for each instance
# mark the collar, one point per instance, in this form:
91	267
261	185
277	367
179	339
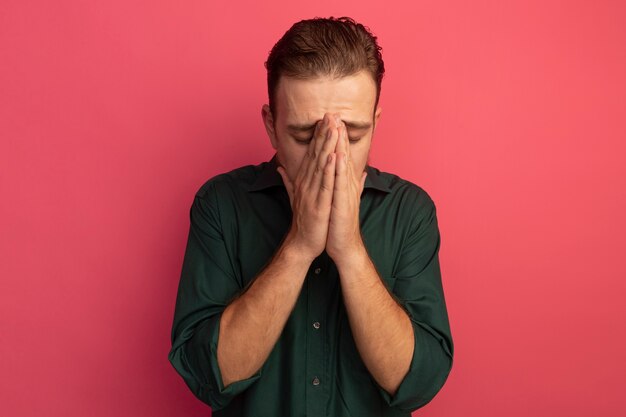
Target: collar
269	177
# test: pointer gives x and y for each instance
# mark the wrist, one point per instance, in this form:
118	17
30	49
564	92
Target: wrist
294	252
353	257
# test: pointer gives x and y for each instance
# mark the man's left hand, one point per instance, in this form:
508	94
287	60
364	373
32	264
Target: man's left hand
344	231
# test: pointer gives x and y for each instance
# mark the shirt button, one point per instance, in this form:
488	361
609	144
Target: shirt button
316	324
316	381
317	271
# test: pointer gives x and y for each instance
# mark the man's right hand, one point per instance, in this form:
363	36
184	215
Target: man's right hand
311	192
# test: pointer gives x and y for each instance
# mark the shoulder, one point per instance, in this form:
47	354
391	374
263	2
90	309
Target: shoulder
405	192
217	198
226	183
413	209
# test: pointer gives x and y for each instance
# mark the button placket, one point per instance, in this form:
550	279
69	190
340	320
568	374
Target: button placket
318	394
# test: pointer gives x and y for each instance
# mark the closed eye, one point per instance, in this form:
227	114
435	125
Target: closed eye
307	141
303	141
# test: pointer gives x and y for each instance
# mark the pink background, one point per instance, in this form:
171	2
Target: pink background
510	114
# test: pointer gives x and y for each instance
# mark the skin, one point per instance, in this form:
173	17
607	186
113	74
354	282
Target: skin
322	164
348	104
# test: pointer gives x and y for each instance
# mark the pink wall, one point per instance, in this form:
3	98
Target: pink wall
510	114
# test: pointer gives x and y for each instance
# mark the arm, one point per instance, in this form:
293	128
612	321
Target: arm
380	329
222	334
208	284
377	322
419	293
252	323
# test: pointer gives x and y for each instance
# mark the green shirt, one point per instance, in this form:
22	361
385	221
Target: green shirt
238	220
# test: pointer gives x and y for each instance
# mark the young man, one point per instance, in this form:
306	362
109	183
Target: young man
311	283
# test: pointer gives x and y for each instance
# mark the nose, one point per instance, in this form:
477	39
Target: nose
336	117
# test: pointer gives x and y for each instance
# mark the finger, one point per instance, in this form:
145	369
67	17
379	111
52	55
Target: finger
321	130
353	180
346	145
319	137
340	174
341	143
328	148
287	182
316	169
325	195
330	144
343	146
306	162
347	142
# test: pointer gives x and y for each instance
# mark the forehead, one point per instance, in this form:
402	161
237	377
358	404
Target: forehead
306	100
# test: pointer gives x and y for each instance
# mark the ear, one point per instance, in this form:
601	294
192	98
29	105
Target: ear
377	115
268	121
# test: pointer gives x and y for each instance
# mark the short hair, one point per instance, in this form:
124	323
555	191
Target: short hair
335	47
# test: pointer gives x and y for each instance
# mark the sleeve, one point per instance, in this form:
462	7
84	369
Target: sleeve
419	290
207	285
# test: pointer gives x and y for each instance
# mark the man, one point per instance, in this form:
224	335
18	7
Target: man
311	283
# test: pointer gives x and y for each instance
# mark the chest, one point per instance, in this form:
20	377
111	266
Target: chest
255	227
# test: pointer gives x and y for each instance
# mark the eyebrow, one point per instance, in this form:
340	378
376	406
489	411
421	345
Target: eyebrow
310	126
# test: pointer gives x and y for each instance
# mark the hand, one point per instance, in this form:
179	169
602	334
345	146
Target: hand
311	192
344	231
